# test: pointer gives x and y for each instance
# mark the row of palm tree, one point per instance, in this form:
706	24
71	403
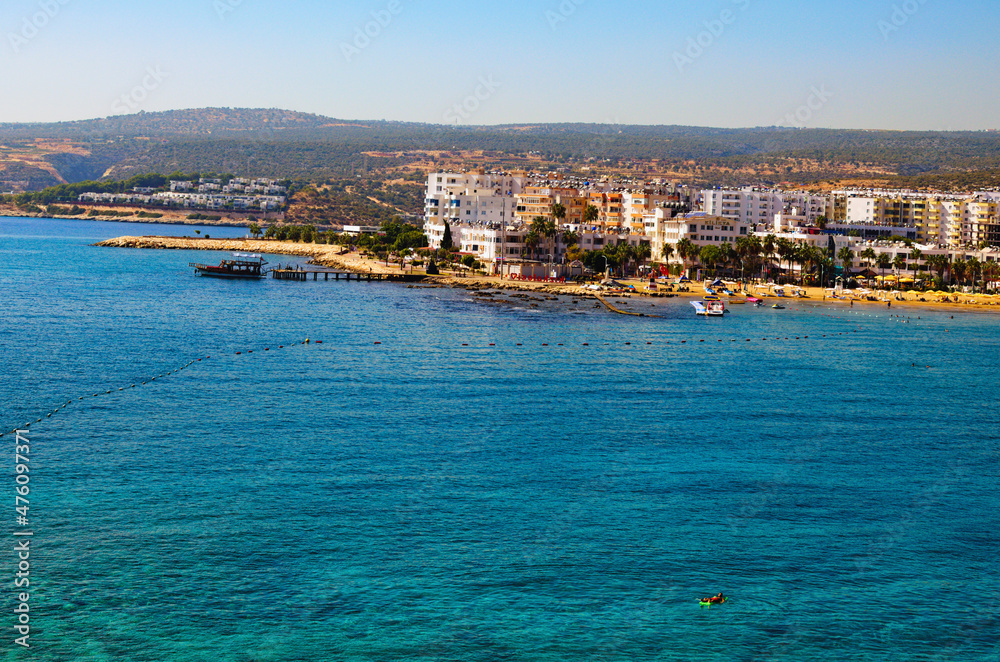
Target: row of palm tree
753	255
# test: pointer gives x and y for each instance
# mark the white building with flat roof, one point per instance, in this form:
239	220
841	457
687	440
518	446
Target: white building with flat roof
757	205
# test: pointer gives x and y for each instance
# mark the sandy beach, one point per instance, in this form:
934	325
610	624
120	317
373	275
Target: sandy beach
334	257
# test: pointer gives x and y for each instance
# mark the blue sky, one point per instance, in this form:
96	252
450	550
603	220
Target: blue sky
913	64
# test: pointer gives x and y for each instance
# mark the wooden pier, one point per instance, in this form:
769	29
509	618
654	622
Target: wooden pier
305	274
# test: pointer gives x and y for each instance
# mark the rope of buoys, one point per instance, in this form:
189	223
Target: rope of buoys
134	385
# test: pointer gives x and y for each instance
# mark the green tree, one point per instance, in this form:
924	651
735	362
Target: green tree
883	261
643	252
446	240
531	241
938	263
710	256
868	255
591	214
974	268
687	250
915	255
727	255
959	269
899	264
846	257
786	250
558	212
255	230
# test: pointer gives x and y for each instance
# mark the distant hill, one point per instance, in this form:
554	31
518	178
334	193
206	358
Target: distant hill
306	147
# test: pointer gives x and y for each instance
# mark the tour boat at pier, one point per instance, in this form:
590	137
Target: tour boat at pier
241	266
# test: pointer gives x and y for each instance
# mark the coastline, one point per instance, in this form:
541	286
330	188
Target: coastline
332	256
170	217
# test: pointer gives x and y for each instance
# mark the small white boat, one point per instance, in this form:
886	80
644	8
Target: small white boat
709	308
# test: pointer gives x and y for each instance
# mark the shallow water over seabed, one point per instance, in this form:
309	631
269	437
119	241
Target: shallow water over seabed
490	480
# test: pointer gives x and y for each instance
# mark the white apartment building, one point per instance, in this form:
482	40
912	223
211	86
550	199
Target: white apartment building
756	205
953	220
470	198
699	228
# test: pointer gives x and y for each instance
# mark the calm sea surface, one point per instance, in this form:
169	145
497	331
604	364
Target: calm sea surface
567	494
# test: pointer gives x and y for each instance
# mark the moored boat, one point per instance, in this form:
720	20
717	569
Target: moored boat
241	266
709	308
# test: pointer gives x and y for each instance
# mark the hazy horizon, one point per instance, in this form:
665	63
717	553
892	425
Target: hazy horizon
899	65
511	124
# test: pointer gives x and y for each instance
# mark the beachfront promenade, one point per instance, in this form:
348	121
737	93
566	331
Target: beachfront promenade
333	257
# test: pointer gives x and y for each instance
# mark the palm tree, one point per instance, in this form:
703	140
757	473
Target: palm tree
825	264
915	255
801	256
974	268
883	261
710	256
643	253
743	249
531	241
591	214
785	249
727	255
558	212
686	250
846	257
990	272
868	255
959	268
809	257
767	246
938	263
898	263
549	231
626	253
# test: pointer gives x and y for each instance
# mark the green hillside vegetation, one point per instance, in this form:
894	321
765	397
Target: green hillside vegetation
311	148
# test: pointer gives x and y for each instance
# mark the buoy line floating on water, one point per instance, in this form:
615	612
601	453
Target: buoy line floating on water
494	345
120	389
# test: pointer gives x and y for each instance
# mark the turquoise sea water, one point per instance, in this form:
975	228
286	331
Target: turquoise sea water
566	494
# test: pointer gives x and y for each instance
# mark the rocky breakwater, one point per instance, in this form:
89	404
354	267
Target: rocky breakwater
320	254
